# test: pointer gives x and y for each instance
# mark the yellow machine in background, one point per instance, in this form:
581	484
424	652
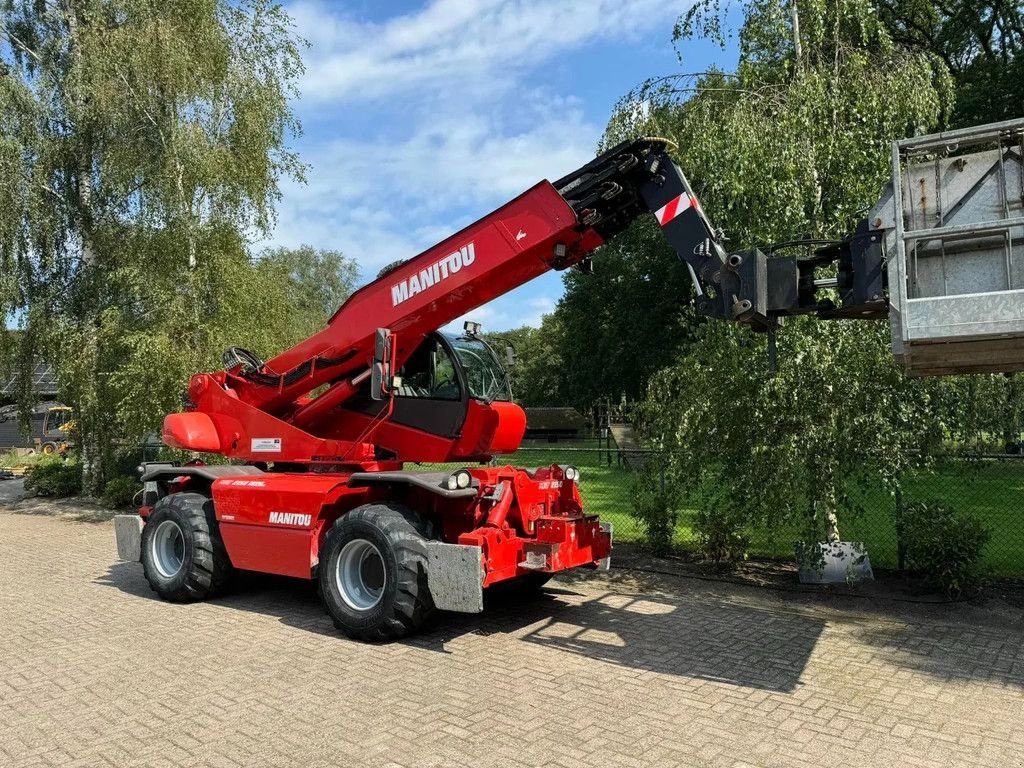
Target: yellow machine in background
50	430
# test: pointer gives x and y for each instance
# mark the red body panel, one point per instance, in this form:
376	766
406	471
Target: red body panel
489	429
191	431
276	522
272	523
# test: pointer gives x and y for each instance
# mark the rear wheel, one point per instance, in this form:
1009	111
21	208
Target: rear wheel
183	556
373	573
49	449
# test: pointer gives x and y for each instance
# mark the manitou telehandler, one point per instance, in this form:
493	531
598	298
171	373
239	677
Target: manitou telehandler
318	488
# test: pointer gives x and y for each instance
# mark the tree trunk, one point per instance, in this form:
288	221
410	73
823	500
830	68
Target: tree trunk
827	505
91	434
94	429
798	54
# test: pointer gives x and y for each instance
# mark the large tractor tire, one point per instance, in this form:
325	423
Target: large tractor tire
373	573
182	553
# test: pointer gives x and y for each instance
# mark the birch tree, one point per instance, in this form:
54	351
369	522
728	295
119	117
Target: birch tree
141	147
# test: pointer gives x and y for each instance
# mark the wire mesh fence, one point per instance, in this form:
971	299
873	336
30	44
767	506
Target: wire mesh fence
989	487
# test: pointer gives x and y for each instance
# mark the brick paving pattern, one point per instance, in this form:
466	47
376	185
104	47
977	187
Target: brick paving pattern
617	670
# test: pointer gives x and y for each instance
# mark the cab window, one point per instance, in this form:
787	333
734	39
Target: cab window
485	377
58	418
429	373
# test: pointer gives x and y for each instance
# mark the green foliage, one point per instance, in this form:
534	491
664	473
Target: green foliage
720	529
12	459
655	503
979	41
791	448
54	478
141	146
789	148
613	329
775	153
315	283
537	374
119	492
945	546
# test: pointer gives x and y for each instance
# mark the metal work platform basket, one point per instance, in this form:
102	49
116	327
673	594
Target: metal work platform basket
955	255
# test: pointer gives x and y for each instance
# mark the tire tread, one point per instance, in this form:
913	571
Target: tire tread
210	566
412	605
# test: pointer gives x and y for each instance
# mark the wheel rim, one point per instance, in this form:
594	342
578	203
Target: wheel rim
360	575
167	548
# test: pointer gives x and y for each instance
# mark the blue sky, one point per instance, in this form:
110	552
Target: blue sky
420	117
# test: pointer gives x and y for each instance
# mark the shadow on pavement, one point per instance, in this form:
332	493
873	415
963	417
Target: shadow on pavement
696	636
952	652
14	502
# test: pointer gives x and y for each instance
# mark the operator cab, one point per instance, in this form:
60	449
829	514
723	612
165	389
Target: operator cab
437	382
450	367
440	378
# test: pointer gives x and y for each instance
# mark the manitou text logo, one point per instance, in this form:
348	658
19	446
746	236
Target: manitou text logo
290	518
432	275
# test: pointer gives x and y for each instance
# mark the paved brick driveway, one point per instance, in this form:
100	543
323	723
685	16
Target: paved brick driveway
603	672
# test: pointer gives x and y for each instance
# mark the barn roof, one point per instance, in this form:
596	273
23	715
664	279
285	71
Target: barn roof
44	382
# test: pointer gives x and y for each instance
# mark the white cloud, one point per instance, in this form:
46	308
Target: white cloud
512	310
456	42
380	201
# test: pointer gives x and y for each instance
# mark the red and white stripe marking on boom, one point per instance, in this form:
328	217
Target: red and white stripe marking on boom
674	207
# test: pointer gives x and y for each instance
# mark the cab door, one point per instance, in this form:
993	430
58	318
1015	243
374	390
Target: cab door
433	395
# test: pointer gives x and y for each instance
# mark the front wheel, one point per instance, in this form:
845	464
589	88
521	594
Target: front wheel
183	556
373	573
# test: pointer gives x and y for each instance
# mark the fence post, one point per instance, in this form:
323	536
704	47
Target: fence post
901	551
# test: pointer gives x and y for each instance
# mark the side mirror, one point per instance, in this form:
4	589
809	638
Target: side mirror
510	355
381	345
380	370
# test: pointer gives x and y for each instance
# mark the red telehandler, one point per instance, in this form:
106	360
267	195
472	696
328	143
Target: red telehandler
318	489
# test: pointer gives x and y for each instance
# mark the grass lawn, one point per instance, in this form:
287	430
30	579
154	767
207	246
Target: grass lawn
992	490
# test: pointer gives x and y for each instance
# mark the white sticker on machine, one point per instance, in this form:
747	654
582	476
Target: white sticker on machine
266	445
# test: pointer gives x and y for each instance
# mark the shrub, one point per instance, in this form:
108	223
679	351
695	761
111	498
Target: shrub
54	477
119	492
720	535
12	459
944	545
654	506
